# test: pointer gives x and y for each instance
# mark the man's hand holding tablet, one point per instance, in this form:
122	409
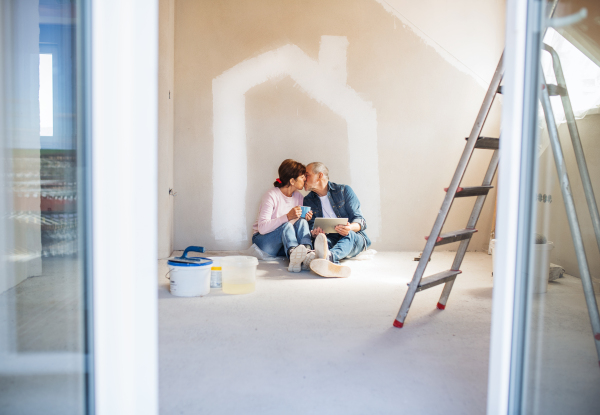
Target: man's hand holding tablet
328	225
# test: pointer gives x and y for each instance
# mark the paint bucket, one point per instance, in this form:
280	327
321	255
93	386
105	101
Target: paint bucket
541	271
239	274
190	279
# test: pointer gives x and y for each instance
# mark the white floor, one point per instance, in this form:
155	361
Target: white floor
302	344
41	320
306	345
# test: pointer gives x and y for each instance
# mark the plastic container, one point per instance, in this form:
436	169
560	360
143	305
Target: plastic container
239	274
216	273
190	280
541	272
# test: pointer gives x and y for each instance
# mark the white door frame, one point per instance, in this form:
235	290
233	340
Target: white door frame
124	72
522	20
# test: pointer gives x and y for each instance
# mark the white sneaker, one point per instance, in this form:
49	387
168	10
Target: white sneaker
321	249
297	256
309	258
328	269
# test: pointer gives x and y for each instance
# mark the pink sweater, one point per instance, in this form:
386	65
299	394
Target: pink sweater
274	208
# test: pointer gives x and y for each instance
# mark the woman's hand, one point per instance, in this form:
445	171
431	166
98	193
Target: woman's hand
309	215
295	213
316	231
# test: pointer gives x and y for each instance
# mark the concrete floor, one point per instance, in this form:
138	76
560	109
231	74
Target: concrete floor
42	317
562	374
302	344
306	345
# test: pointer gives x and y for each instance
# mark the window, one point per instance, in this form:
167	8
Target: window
46	96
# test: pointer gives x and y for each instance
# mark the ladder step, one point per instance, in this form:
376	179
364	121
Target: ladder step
499	90
554	90
471	191
437	279
454	236
487	143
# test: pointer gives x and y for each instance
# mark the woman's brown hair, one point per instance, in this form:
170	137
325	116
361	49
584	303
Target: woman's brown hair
288	170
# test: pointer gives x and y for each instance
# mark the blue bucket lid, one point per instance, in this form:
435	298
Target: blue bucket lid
197	262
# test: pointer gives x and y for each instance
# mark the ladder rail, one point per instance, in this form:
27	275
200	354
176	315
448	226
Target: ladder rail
449	198
559	160
576	141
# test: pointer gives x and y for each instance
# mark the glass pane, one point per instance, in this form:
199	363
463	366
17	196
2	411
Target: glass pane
43	367
561	373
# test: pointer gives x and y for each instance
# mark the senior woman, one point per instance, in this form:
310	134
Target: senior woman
280	229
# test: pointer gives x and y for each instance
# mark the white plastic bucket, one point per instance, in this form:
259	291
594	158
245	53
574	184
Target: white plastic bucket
239	274
541	272
189	280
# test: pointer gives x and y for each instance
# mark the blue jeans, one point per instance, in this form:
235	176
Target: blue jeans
345	246
279	241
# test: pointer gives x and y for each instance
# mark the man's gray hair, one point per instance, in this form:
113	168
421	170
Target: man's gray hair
318	167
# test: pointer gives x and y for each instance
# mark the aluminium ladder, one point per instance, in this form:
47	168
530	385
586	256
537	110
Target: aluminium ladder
560	89
447	277
474	141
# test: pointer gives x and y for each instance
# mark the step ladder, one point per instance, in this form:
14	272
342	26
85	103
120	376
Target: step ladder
560	90
435	238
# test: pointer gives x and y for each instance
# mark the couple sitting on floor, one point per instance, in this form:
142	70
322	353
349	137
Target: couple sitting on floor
281	230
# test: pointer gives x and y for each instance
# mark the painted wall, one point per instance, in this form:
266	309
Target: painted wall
166	98
359	85
552	217
464	32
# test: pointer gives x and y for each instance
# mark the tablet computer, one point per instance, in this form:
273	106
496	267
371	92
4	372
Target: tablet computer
328	224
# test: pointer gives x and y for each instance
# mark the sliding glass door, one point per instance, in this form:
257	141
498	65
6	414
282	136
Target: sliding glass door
45	290
555	349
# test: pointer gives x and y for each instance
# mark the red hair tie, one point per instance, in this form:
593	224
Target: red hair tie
277	180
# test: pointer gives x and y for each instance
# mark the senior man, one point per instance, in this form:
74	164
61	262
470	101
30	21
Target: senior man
331	200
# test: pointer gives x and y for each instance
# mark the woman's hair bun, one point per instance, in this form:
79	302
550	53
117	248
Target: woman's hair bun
288	170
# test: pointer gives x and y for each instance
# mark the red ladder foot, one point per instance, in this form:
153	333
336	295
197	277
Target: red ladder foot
398	324
441	306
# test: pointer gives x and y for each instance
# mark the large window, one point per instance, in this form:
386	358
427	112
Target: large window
556	336
46	98
45	359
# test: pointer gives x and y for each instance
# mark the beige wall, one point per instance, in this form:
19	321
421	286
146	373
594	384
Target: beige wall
166	98
552	217
449	28
425	91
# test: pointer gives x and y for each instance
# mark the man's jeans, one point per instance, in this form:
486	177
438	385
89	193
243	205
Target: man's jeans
279	241
345	246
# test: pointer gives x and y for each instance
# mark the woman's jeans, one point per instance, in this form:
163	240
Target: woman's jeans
279	241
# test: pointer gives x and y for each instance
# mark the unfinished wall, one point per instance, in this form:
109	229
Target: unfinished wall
354	84
166	78
552	217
